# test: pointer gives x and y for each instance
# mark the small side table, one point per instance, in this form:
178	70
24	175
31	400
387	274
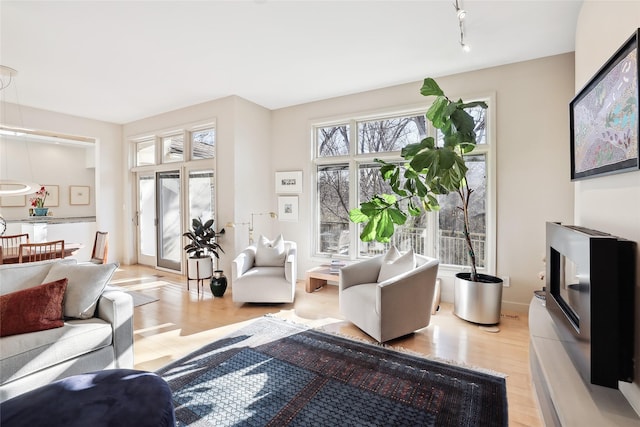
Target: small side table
317	277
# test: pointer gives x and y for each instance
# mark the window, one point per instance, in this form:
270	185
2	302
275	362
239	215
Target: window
376	136
333	201
145	152
192	143
452	247
203	144
173	148
347	174
333	141
202	195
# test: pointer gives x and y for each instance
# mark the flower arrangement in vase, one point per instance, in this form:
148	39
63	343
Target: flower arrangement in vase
37	202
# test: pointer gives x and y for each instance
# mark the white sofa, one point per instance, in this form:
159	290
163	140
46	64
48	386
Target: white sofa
104	341
264	283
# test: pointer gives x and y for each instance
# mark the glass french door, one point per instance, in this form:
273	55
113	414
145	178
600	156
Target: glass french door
169	231
146	218
160	217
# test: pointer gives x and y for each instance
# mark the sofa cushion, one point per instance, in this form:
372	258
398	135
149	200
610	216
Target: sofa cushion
25	354
86	284
270	253
14	277
33	309
403	264
263	284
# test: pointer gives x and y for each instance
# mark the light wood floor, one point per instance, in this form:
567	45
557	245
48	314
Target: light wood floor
182	321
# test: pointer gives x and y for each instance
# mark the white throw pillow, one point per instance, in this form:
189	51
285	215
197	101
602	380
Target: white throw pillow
403	264
86	284
392	254
270	253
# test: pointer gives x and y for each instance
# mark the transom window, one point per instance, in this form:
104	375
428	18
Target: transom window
173	148
203	143
199	143
346	175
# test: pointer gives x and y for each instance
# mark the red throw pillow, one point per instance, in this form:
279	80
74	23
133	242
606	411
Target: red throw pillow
33	309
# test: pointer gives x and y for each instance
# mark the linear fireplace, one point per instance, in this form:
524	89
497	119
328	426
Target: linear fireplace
590	282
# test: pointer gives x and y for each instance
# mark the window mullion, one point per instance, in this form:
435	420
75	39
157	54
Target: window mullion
354	179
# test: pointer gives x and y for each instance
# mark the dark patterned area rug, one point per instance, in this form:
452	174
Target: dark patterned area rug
276	373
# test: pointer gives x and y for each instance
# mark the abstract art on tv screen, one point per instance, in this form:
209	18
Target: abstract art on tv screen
604	118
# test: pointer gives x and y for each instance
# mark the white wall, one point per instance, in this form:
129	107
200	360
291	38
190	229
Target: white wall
42	163
611	203
252	171
532	158
109	171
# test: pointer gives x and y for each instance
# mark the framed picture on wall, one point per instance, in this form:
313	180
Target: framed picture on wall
289	182
604	118
53	199
288	208
12	201
79	195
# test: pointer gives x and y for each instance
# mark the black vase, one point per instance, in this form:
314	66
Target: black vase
218	283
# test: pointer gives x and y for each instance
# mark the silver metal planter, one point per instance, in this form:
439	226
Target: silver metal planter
477	302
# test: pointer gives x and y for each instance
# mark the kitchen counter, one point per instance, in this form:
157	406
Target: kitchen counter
51	220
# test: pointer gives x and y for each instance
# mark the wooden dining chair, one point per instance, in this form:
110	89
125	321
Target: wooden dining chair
12	243
31	252
100	248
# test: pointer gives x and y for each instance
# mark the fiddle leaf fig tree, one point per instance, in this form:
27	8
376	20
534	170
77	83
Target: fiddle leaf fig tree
429	170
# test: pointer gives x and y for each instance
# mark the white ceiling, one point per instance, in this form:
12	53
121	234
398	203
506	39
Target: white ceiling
120	61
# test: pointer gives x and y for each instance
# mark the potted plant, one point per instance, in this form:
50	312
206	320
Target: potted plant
431	170
37	202
203	243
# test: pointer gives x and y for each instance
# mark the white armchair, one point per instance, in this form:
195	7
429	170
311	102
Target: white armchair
393	307
264	283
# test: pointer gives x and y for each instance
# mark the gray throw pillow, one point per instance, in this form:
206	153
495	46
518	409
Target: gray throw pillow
270	253
86	282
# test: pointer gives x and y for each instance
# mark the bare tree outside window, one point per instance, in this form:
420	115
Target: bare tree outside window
333	198
374	136
378	136
451	244
437	234
333	141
